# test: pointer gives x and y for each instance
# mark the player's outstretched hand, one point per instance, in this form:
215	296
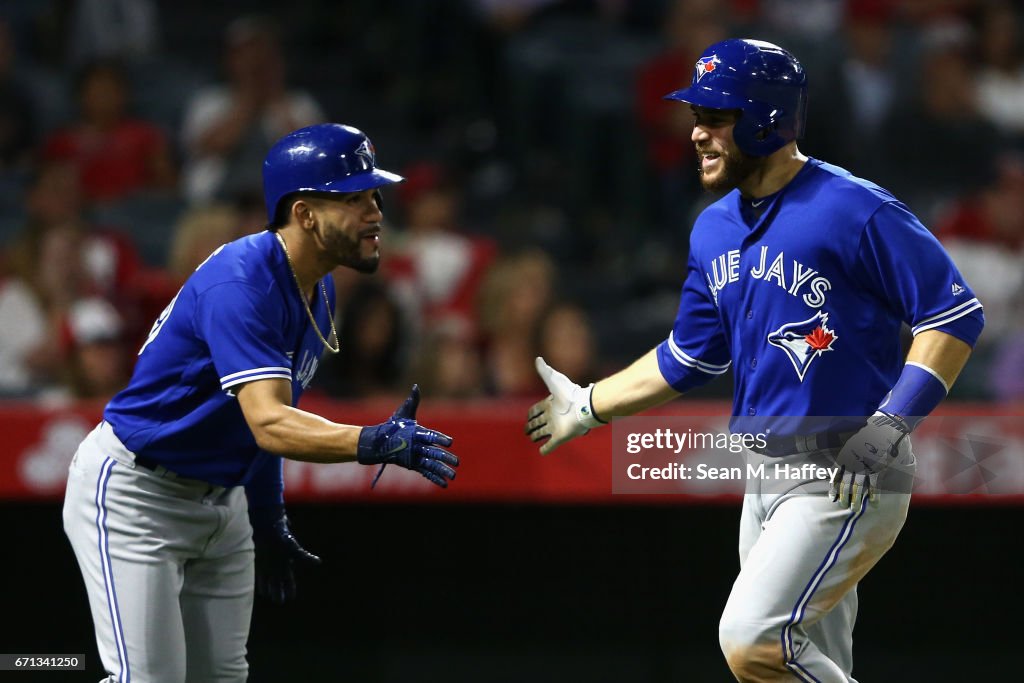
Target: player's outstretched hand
404	442
562	416
277	553
865	456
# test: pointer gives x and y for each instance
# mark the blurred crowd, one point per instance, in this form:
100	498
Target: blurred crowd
550	190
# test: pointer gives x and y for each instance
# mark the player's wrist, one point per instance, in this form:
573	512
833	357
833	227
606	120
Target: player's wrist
917	392
369	447
892	420
266	516
583	407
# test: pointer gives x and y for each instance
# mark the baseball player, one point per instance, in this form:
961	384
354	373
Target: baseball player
168	496
798	279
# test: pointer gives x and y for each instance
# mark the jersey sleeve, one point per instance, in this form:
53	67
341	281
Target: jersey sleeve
244	334
696	350
906	267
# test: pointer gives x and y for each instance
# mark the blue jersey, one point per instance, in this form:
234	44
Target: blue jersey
238	318
804	298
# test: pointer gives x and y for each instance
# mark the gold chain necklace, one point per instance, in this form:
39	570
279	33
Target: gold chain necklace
302	295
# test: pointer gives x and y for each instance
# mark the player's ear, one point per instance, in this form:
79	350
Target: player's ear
302	212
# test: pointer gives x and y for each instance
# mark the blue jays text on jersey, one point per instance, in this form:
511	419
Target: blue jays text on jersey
237	319
805	300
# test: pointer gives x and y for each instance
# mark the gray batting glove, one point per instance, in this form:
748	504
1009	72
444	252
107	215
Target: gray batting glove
562	416
864	457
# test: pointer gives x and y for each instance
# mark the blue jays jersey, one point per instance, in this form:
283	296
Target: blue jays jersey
805	300
238	318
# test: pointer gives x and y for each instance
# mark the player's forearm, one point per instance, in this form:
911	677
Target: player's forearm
298	435
943	353
633	390
933	364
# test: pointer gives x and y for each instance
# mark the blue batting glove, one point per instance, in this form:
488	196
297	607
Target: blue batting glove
277	552
405	443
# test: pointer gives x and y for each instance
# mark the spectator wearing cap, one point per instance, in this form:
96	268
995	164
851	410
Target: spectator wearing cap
96	350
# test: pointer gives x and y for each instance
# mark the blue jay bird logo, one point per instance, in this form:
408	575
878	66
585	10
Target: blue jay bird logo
366	152
707	65
804	341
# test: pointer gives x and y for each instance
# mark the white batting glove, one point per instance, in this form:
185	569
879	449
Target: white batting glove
865	456
562	416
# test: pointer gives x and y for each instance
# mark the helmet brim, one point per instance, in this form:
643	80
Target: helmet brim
358	182
712	98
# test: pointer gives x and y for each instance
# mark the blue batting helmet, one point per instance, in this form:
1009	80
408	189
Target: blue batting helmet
762	80
327	157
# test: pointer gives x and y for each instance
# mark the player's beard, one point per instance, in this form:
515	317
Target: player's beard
735	168
348	251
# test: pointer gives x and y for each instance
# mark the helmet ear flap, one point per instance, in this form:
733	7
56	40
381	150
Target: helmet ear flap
761	129
770	129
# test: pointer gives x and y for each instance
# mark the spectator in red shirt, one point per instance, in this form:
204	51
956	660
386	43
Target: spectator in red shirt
435	267
994	214
116	155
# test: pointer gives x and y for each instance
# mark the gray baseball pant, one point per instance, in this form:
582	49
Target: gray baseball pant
167	563
792	609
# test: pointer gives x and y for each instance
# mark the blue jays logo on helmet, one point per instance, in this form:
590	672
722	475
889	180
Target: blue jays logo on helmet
367	153
706	65
804	341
